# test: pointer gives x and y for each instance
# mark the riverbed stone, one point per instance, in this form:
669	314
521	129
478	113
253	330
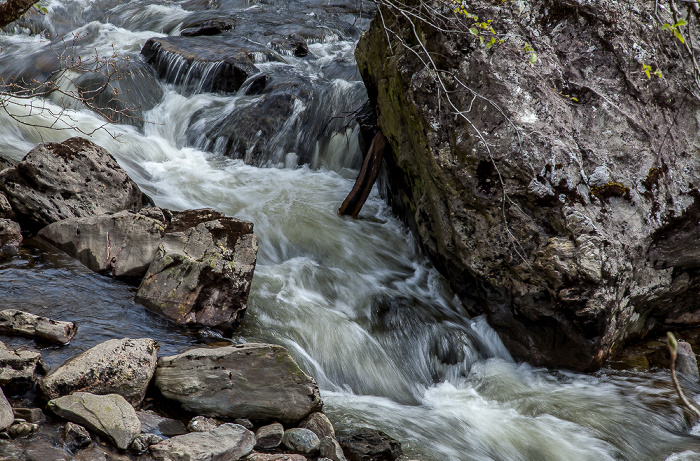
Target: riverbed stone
227	442
31	415
269	437
21	429
275	457
605	178
10	237
75	436
27	324
301	441
18	368
330	448
7	417
370	445
122	244
6	211
159	425
202	424
44	450
319	424
201	276
109	415
72	178
260	382
119	366
142	442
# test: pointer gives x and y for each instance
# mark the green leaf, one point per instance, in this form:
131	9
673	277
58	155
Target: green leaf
672	343
678	35
473	31
682	22
533	58
666	27
491	43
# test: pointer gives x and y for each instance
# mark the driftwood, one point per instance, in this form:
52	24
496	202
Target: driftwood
365	180
673	350
26	324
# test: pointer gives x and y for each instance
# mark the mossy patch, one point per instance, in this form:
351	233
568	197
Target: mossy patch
611	189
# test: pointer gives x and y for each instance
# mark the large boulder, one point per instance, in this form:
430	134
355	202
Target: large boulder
557	188
72	178
123	244
260	382
111	415
201	276
228	442
118	366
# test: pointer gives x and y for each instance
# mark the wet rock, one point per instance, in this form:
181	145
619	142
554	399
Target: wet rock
686	362
43	450
260	382
158	425
75	436
123	244
228	441
18	368
10	237
22	429
199	63
142	442
201	277
110	415
269	437
319	424
120	366
31	415
625	215
275	457
210	27
93	453
202	424
74	178
331	449
7	417
6	211
11	451
370	445
27	324
301	441
293	44
245	423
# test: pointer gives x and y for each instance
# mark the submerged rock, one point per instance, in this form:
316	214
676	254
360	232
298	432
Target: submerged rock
155	424
201	277
370	445
28	324
226	442
73	178
111	415
566	213
256	381
119	366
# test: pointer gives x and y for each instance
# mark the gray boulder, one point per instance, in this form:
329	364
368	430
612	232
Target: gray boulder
260	382
269	437
18	368
118	366
28	324
110	415
201	276
7	416
123	244
73	178
301	441
566	213
10	237
319	424
228	442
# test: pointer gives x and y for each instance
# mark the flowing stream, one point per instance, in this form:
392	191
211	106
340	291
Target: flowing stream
355	302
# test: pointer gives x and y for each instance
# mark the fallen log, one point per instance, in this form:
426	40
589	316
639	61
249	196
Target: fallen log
26	324
365	180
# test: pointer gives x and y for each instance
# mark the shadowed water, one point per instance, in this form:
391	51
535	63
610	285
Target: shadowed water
354	301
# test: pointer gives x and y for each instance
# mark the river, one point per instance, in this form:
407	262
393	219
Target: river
354	301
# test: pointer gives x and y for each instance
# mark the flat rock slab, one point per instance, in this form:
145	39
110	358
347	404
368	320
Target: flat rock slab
118	366
123	244
109	415
200	63
27	324
158	425
18	368
260	382
74	178
201	276
228	442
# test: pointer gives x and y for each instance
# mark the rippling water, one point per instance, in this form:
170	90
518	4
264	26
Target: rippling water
353	300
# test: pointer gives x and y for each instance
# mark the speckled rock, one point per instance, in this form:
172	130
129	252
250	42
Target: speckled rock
566	213
202	424
260	382
111	415
228	442
120	366
301	441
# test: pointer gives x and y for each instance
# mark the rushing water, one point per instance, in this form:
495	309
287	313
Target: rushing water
353	300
